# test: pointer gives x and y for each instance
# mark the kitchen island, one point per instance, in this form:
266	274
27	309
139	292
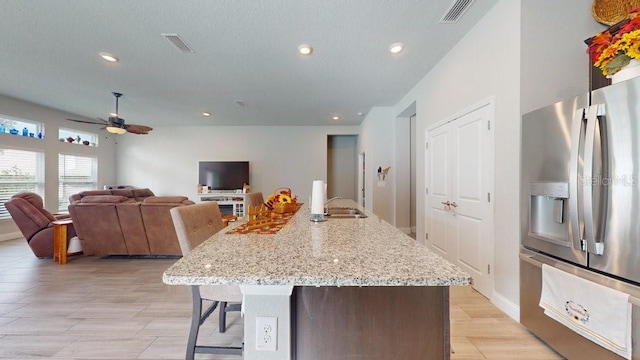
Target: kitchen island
340	289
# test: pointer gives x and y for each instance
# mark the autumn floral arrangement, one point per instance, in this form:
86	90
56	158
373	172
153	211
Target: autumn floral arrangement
615	47
282	201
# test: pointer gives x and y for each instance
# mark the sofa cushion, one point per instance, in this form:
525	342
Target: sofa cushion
139	194
165	200
35	200
30	197
95	192
29	219
123	192
108	199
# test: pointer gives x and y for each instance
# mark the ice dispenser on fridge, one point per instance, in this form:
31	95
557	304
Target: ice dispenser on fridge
547	215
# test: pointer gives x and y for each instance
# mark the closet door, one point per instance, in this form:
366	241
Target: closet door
459	177
438	176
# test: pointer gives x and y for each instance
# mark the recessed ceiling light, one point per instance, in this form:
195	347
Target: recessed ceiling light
206	114
396	48
305	49
360	114
336	118
109	57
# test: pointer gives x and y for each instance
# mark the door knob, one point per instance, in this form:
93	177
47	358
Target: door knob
453	204
446	203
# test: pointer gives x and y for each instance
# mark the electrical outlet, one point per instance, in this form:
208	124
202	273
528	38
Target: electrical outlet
266	333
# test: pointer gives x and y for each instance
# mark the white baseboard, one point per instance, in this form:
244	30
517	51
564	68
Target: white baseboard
10	236
405	230
508	307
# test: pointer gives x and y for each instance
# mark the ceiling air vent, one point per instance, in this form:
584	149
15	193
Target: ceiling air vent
241	103
456	10
177	41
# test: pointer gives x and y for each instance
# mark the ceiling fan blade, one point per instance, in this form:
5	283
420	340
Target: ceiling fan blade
86	121
138	129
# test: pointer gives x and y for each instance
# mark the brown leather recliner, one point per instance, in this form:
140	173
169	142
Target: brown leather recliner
34	221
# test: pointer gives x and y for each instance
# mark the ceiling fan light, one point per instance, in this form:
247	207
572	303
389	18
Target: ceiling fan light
116	130
396	48
305	49
108	57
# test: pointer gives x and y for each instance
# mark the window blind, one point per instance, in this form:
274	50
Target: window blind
75	174
19	171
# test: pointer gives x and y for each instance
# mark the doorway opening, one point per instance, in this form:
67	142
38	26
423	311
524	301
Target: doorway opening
342	166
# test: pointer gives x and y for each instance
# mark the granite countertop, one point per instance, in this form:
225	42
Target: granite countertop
337	252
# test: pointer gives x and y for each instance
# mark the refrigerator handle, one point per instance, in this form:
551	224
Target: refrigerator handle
593	246
575	179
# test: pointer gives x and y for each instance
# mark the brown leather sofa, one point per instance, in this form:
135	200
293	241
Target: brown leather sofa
125	222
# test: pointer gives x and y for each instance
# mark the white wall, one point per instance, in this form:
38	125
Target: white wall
402	173
525	54
166	160
53	120
377	140
554	61
484	64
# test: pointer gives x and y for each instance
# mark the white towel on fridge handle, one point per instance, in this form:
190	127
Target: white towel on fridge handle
598	313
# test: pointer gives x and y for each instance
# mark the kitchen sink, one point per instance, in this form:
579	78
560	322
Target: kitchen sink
345	213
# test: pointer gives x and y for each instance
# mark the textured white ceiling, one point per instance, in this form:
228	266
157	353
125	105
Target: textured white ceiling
244	50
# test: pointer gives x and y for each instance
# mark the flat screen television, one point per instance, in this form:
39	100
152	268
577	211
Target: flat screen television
223	175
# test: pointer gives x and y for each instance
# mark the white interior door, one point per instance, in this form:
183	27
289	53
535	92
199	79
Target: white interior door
459	216
438	176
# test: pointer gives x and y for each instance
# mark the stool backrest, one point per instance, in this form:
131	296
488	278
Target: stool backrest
196	223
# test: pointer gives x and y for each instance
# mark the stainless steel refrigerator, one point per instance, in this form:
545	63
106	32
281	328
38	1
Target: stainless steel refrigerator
580	203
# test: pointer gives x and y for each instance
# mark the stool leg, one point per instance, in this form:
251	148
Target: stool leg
222	320
195	322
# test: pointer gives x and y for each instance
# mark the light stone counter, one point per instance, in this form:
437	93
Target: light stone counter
337	252
339	289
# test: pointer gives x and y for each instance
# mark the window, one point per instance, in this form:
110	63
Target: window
77	137
75	174
19	171
21	127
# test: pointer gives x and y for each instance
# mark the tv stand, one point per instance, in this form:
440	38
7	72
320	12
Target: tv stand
227	200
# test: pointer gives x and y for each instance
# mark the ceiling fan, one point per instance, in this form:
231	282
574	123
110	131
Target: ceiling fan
116	125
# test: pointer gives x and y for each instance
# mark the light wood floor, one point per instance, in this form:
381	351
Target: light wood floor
114	309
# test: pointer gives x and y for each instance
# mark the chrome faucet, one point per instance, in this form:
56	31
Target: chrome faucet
326	208
330	200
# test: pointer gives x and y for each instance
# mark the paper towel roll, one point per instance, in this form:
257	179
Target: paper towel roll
317	197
